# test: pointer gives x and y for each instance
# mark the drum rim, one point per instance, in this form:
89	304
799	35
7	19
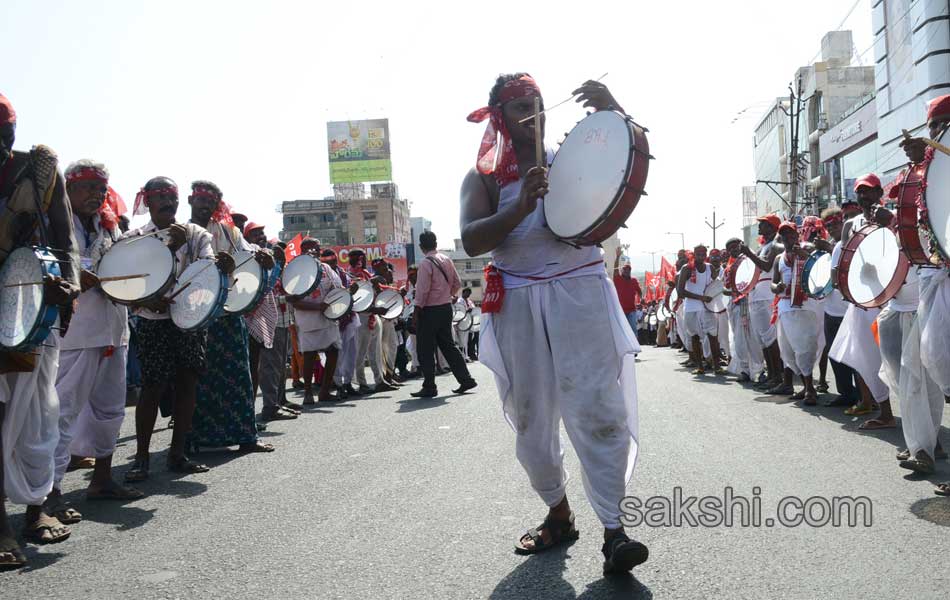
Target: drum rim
47	314
395	294
344	294
364	284
261	287
639	143
706	305
219	302
316	283
907	216
756	272
806	271
169	282
471	322
936	238
847	255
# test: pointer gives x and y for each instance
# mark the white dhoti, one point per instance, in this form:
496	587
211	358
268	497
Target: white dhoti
701	323
763	330
347	361
318	340
368	346
563	349
389	344
725	342
921	400
461	338
855	347
798	340
934	315
746	356
30	427
411	349
91	389
681	332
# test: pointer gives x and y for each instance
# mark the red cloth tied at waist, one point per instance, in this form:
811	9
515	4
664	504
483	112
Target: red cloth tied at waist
495	286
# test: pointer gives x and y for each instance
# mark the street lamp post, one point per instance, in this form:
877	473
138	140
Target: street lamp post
682	237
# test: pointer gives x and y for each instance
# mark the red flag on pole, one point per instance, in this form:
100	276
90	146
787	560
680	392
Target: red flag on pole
667	270
292	250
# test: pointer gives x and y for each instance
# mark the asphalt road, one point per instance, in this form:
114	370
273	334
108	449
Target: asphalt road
392	497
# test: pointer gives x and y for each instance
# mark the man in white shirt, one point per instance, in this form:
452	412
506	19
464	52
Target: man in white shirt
835	308
761	298
465	305
699	322
169	354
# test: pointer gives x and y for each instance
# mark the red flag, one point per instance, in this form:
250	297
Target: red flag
649	283
667	270
292	250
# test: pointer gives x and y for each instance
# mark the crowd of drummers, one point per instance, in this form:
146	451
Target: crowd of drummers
862	287
192	315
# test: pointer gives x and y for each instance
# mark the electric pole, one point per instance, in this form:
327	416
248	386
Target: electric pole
682	238
794	169
714	226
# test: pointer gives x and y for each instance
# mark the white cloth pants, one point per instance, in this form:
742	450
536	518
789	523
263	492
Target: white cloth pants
855	346
747	355
562	349
934	314
346	364
91	390
30	427
764	332
411	349
368	346
798	340
461	338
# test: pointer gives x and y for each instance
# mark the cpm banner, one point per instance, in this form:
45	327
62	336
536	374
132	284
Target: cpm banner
393	253
359	151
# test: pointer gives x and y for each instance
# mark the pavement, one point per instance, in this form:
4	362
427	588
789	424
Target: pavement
393	497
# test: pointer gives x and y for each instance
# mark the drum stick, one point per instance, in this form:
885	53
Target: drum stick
180	290
931	143
538	138
22	284
565	101
123	277
145	235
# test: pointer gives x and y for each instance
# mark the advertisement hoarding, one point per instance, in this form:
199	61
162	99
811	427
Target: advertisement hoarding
359	151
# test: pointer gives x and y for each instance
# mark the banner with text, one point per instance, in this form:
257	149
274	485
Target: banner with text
394	254
359	151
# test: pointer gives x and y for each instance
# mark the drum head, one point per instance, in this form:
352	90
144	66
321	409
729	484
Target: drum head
588	174
874	267
407	312
817	275
662	314
301	275
466	323
134	256
247	282
719	300
340	301
392	301
746	274
22	306
458	313
363	298
937	195
653	319
674	296
204	298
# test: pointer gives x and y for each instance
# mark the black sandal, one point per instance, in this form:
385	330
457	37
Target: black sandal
186	465
560	532
621	554
138	472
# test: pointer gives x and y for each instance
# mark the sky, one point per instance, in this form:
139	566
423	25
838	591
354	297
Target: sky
240	92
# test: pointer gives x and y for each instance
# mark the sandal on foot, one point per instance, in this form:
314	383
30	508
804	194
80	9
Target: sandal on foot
66	515
138	472
873	424
924	467
858	410
800	395
822	387
621	554
942	489
46	530
11	556
186	465
559	532
256	447
115	492
810	400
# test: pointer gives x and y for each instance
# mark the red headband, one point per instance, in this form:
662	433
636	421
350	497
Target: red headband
505	168
832	219
142	197
811	225
221	214
7	114
87	174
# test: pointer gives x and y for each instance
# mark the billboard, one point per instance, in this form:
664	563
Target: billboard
393	253
359	151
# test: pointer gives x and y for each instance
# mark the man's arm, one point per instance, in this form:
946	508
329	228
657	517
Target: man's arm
777	285
484	227
455	284
763	264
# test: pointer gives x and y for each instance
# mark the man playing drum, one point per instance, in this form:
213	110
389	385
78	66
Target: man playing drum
722	319
701	324
461	337
760	303
747	356
349	325
369	341
797	318
92	361
835	309
167	353
544	328
29	405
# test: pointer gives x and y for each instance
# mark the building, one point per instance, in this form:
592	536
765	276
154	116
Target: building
350	216
471	269
416	226
912	66
849	149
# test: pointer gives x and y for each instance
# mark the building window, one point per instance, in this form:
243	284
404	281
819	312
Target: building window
468	265
476	284
370	232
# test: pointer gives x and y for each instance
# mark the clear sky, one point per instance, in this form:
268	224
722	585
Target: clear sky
240	92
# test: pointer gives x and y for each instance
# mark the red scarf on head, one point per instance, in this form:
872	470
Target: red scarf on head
140	208
813	225
112	205
504	166
221	214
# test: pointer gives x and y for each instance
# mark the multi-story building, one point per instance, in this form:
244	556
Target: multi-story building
416	226
471	269
350	217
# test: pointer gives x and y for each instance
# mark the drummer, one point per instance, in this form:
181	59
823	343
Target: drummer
389	342
369	339
464	304
349	325
167	353
551	361
224	409
722	319
797	319
747	360
836	307
93	352
854	343
760	303
29	406
699	322
318	333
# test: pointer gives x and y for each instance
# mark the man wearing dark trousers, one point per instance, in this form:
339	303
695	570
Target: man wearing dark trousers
436	285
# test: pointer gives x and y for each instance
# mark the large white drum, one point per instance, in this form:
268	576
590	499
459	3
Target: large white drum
301	276
364	296
199	295
339	302
25	316
719	300
937	198
391	301
147	256
872	268
248	283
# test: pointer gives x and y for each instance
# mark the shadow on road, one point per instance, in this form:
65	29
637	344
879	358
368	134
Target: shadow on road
541	576
414	404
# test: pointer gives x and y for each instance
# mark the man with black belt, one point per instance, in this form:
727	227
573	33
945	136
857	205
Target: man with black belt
437	283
